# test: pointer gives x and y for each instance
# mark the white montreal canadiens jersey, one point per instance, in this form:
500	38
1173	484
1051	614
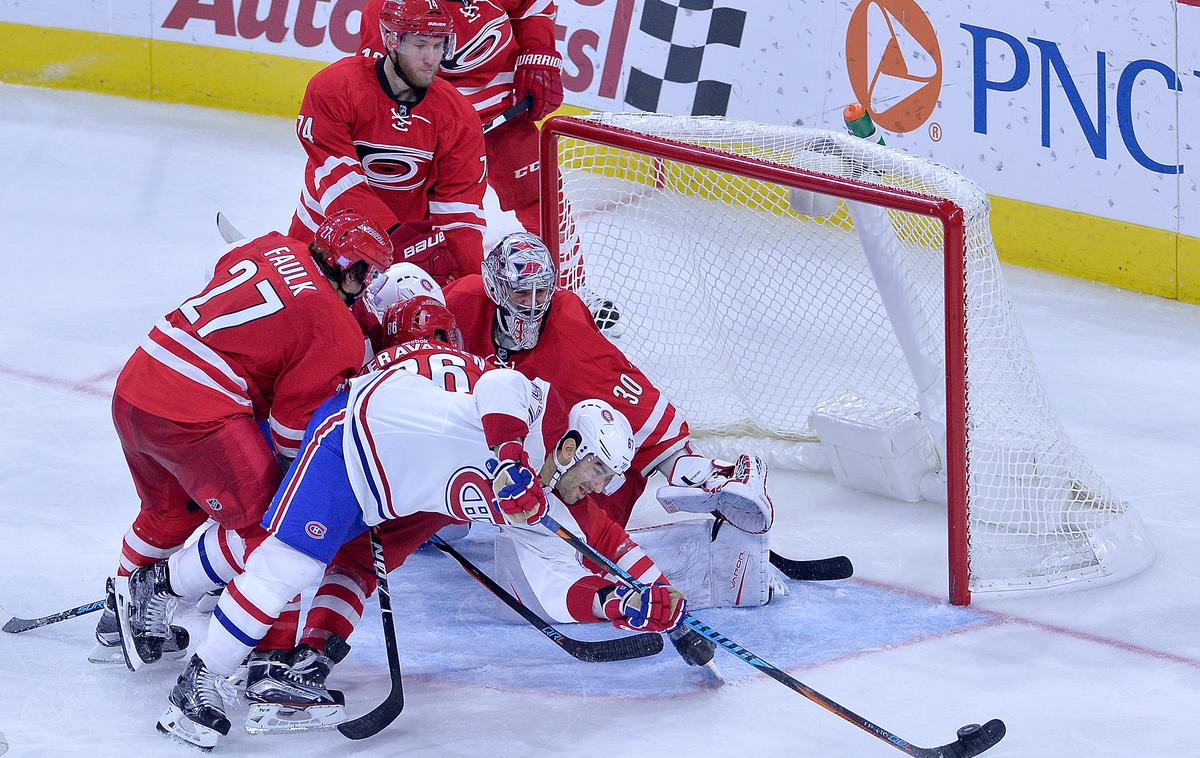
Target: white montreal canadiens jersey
412	446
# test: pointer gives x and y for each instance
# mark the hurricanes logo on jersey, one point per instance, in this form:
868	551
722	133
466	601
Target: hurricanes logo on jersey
481	48
393	167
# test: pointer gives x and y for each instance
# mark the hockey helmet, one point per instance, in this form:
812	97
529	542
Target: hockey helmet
599	429
400	17
421	317
520	277
351	243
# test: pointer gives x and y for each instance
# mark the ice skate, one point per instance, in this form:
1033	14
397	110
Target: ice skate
108	637
197	713
286	692
144	607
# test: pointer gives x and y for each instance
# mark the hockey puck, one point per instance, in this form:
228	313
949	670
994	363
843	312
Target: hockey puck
969	731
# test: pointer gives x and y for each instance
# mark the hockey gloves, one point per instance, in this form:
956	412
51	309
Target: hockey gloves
539	73
519	494
657	608
418	242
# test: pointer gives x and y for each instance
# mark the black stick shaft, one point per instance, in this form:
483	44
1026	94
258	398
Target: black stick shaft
370	724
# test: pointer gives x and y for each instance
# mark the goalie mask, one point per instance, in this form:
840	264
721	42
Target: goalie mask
598	428
520	278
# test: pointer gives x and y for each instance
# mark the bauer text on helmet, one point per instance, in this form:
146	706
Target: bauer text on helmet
427	18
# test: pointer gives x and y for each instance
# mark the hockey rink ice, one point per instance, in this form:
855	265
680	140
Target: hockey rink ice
106	221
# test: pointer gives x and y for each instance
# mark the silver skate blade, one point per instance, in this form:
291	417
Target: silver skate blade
272	718
179	728
124	625
104	654
714	673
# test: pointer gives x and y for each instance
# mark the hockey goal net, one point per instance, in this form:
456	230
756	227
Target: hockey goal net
764	273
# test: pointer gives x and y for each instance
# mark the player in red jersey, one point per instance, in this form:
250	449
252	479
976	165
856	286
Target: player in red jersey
268	339
516	315
504	50
390	139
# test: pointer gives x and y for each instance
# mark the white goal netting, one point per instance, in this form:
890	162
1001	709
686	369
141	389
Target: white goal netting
752	303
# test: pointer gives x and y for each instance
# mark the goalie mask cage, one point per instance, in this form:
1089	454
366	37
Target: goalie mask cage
749	315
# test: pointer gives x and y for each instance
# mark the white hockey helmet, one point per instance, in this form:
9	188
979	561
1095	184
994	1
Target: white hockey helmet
399	283
520	277
599	429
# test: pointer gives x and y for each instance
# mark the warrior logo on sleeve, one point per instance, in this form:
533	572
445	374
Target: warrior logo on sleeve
393	167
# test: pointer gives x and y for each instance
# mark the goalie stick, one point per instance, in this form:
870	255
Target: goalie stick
815	570
599	651
973	739
370	724
14	625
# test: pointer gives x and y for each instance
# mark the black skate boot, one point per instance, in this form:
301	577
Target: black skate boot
197	713
145	605
694	649
286	692
108	636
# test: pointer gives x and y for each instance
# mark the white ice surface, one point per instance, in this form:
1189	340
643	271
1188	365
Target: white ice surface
106	222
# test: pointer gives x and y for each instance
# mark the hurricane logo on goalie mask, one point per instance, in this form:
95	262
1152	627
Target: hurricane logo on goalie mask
520	278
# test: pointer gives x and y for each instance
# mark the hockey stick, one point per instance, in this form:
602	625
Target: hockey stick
370	724
228	231
600	651
816	570
525	104
14	625
972	740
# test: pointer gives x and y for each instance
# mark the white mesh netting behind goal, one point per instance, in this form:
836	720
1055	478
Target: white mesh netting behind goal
750	315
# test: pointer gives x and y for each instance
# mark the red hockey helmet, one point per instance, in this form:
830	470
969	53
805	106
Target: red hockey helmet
400	17
421	317
348	238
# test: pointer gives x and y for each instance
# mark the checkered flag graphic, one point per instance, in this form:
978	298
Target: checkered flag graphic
682	73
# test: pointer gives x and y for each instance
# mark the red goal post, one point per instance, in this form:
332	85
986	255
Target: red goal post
624	167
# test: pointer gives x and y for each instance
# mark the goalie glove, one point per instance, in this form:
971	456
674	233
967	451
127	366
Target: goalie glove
657	608
735	491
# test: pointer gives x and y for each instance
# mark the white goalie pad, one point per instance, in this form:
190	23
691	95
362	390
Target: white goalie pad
732	570
875	448
736	491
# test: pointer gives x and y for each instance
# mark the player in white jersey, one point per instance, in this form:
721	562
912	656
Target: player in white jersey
396	444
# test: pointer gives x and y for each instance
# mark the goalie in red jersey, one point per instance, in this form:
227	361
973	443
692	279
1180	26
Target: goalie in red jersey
516	314
390	139
504	51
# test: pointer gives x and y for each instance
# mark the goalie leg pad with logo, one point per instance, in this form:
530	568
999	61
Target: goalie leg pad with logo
730	568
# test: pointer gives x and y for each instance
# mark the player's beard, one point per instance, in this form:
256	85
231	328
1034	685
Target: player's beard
417	73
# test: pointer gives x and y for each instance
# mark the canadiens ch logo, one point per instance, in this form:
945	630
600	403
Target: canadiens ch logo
481	48
315	529
393	167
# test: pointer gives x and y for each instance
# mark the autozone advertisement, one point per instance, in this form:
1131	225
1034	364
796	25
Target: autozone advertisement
1088	106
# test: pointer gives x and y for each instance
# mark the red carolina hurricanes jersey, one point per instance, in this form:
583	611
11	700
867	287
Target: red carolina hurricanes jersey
388	160
269	337
579	363
488	37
